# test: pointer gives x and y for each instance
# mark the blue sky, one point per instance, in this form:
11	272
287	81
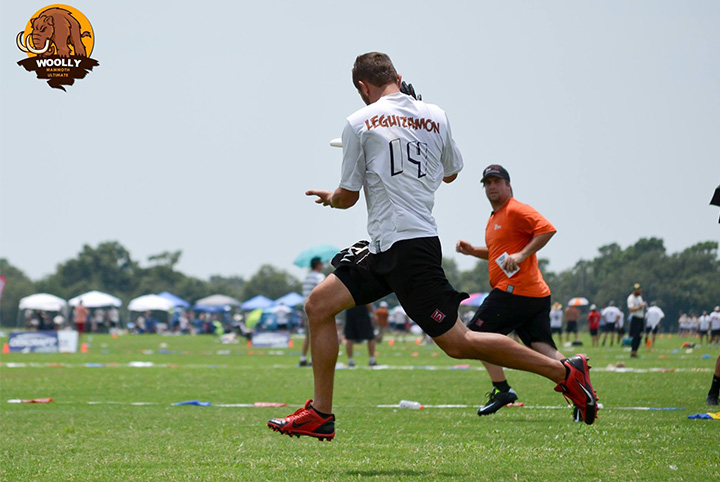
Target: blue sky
206	122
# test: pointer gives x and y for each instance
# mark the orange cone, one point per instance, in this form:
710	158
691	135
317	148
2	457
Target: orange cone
290	344
418	341
6	348
115	335
249	344
391	342
83	348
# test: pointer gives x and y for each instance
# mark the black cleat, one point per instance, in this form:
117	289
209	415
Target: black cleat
712	399
496	401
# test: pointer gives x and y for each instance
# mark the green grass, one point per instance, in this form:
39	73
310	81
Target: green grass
70	439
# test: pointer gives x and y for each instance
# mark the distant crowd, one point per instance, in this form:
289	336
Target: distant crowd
608	325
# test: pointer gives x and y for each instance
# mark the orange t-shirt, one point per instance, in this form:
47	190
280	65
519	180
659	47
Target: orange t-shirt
381	315
510	229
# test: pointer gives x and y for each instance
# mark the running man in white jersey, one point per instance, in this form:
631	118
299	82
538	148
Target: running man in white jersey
399	150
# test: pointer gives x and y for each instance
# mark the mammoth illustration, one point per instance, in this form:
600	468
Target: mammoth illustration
56	30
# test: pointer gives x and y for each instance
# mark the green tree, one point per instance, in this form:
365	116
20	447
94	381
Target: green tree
270	282
107	268
17	286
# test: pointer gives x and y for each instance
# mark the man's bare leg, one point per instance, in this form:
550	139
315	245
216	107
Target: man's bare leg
459	342
327	300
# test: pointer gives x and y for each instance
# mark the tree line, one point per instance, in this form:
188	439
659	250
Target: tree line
684	282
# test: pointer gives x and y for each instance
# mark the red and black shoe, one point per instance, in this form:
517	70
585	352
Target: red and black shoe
577	388
305	421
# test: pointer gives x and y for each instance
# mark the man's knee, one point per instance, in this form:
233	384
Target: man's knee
457	347
315	308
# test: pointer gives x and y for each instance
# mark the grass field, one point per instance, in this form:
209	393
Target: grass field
121	439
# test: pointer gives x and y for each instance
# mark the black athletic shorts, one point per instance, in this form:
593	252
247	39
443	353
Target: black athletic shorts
412	269
503	312
358	326
609	327
571	327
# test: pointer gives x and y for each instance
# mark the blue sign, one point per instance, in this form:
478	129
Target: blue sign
33	341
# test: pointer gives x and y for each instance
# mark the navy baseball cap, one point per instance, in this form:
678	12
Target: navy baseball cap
495	170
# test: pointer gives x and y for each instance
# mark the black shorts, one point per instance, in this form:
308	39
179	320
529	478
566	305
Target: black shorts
608	328
593	331
649	330
503	312
571	327
412	269
557	330
358	326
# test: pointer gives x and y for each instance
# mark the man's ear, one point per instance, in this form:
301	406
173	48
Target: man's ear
399	80
363	88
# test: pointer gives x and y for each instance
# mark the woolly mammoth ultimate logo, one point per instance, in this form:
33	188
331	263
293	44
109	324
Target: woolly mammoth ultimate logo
58	41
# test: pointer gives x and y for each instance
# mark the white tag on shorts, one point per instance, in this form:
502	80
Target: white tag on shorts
501	260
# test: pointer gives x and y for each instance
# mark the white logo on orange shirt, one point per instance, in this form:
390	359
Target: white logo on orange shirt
497	226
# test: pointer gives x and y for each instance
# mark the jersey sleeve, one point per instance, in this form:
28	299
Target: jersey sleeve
352	175
451	158
531	221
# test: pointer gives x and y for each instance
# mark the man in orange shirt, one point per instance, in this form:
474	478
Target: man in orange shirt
80	313
520	298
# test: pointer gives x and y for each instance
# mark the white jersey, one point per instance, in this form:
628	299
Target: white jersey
715	320
704	322
556	318
312	279
611	314
634	301
398	150
653	316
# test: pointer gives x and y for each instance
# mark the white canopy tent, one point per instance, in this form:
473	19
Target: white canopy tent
43	301
218	300
150	303
96	299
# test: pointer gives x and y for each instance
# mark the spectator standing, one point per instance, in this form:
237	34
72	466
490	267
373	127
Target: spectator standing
653	317
313	278
282	316
593	319
704	327
113	316
359	328
381	319
80	314
612	315
572	315
399	321
556	320
636	305
715	326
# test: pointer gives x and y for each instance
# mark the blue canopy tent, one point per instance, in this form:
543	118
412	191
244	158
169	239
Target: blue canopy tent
291	299
209	308
177	301
270	319
258	301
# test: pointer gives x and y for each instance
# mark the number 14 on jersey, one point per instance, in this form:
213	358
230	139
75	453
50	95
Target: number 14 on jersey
414	152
